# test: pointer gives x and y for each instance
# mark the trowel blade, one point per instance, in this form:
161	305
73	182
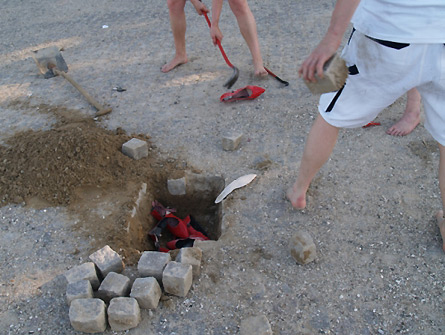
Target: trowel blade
237	183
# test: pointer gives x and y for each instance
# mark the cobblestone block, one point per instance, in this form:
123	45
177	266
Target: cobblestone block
78	290
135	148
107	260
177	278
84	271
147	292
231	142
255	325
88	315
302	248
123	314
191	256
152	264
114	285
177	186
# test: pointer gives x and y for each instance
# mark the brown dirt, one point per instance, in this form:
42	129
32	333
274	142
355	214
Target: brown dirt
80	165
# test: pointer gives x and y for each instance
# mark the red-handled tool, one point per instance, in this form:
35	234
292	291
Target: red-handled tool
229	83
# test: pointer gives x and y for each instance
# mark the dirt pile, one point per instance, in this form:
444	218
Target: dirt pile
50	165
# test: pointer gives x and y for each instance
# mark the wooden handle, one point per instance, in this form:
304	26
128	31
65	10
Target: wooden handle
101	110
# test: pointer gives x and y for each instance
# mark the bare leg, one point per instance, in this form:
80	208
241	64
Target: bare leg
247	27
178	25
319	145
410	118
439	216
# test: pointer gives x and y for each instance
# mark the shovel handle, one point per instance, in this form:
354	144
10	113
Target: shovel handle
101	110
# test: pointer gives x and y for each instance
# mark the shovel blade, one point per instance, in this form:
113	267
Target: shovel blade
232	80
48	59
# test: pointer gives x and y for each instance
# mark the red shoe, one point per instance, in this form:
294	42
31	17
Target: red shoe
158	211
176	226
182	243
194	229
246	93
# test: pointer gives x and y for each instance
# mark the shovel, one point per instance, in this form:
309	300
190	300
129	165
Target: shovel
229	83
51	64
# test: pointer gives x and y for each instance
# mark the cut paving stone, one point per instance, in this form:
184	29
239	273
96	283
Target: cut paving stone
191	256
302	248
84	271
107	260
135	148
88	315
152	264
177	278
255	325
335	73
177	186
231	142
78	290
114	285
147	292
123	314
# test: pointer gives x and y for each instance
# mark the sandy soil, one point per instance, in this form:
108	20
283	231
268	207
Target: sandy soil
66	189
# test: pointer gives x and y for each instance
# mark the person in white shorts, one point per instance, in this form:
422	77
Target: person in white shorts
396	45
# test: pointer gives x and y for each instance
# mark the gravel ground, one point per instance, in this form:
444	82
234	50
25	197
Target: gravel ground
379	267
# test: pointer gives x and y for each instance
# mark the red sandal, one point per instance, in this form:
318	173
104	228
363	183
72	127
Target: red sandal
246	93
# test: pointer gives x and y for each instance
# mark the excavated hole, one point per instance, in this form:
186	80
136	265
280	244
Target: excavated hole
199	202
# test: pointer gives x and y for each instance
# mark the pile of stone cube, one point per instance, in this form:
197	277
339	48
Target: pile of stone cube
99	294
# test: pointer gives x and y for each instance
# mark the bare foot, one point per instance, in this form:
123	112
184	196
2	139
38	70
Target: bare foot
441	225
178	60
297	200
260	72
406	124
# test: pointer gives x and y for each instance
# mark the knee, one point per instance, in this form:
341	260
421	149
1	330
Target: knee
239	7
176	6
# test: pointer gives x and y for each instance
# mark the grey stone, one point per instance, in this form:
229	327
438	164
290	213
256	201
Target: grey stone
123	314
255	325
335	73
84	271
231	142
135	148
302	248
147	292
78	290
177	278
114	285
88	315
152	264
177	186
107	260
191	256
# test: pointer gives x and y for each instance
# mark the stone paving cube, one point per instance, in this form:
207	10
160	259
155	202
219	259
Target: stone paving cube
88	315
152	264
191	256
114	285
107	260
78	290
135	148
302	248
84	271
255	325
231	142
123	313
147	292
177	186
177	278
335	73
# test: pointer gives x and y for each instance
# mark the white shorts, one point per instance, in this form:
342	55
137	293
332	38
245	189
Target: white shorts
379	73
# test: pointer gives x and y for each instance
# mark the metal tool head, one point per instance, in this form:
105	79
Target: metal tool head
232	80
49	58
